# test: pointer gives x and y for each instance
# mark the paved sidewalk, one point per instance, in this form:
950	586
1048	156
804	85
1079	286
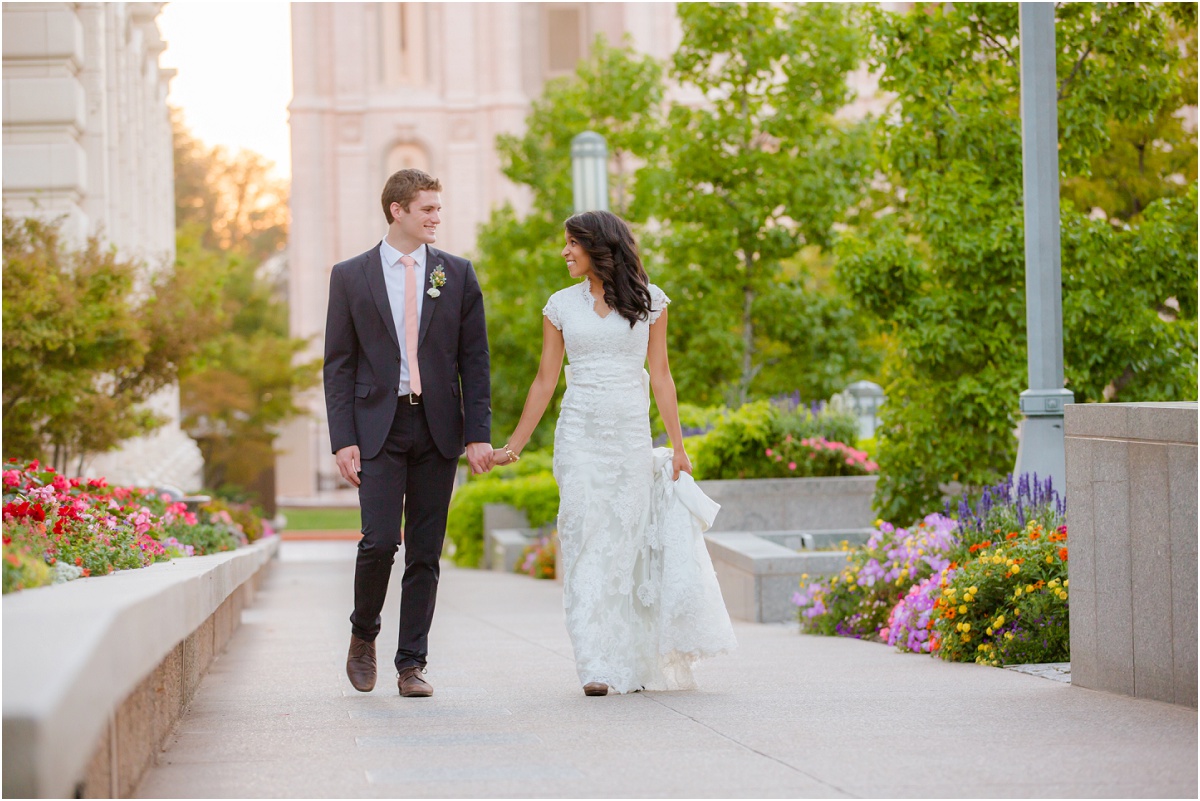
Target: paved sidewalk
786	716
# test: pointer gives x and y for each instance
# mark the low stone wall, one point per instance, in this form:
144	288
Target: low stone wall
97	671
1131	495
758	575
802	504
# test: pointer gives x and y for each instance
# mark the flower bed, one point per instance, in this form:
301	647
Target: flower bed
538	558
988	586
779	439
57	528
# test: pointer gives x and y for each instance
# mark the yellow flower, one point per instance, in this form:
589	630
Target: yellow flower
1009	563
1016	568
966	626
803	575
966	638
999	622
1008	635
1028	588
1049	560
1017	594
989	631
1066	583
962	610
973	589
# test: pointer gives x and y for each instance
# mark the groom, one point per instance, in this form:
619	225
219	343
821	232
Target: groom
406	384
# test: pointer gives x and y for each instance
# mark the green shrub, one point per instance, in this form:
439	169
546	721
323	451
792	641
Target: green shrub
536	494
737	445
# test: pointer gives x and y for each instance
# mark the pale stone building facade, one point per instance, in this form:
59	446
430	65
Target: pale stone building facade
87	137
381	86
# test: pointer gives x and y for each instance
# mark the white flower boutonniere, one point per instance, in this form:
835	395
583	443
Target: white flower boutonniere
438	280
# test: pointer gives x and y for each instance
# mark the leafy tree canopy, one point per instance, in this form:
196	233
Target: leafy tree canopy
941	257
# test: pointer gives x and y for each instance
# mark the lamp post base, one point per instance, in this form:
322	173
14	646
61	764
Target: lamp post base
1042	448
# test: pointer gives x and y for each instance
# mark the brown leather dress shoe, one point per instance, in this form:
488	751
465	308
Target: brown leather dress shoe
595	688
411	684
360	664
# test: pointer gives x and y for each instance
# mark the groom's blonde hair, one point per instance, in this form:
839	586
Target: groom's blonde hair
403	186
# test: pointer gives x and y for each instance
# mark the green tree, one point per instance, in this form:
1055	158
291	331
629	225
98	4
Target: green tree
89	336
231	219
758	170
941	260
615	93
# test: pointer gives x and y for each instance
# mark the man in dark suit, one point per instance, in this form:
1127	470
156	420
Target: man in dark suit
406	384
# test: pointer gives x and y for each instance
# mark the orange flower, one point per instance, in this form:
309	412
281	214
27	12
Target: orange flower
1062	554
1012	535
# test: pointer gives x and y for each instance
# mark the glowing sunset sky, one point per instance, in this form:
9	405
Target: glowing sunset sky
234	80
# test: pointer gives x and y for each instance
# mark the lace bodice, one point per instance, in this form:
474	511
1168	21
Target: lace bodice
601	350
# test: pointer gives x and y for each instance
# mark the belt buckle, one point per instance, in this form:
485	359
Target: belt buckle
414	399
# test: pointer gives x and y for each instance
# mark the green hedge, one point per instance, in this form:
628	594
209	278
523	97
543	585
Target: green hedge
535	493
736	446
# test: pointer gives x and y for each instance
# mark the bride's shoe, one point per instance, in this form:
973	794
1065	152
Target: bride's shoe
595	688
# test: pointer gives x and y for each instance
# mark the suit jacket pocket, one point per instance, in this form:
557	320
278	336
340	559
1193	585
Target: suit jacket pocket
362	390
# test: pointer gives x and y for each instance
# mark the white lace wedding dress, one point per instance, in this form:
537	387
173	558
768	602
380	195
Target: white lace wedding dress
641	598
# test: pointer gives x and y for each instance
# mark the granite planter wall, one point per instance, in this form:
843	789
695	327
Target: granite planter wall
1131	494
799	504
97	671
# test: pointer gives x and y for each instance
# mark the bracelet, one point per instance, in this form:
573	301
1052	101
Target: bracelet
512	457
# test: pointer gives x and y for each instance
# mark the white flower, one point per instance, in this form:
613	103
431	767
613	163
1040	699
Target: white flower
433	292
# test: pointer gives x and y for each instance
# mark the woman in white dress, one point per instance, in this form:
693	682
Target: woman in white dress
641	599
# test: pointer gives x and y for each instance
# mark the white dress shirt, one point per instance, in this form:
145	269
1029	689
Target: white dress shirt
393	277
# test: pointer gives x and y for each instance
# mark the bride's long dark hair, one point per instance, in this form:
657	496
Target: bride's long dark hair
615	261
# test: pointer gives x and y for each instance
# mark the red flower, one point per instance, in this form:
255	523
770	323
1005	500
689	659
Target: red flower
1062	554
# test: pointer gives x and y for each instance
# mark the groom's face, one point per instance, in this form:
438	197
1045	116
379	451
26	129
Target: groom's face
419	223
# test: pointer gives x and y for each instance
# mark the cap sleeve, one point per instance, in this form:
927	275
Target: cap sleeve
658	303
551	312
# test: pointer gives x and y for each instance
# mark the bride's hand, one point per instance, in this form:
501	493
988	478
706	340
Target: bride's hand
682	463
500	457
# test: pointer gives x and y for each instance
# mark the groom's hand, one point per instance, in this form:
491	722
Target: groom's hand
348	462
479	456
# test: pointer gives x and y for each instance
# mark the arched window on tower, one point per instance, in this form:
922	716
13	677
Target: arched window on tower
407	155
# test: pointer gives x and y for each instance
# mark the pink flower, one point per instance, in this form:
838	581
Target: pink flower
770	452
791	465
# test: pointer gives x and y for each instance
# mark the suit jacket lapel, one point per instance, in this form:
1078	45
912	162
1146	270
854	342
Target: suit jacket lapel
433	260
374	271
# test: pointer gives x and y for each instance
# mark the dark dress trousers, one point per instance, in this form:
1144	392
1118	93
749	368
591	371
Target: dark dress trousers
409	452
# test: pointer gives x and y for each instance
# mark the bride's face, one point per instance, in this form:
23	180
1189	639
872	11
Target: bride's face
579	263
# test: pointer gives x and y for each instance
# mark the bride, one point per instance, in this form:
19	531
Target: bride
641	598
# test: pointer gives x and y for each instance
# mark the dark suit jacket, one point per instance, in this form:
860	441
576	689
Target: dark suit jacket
362	356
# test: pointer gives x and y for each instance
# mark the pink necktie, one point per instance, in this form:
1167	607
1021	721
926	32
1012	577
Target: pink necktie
411	323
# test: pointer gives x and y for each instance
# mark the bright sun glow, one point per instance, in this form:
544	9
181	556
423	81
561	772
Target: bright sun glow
234	80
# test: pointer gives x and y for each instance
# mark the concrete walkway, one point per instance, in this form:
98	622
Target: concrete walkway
786	716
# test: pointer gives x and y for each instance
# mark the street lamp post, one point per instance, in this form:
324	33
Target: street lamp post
1041	448
589	169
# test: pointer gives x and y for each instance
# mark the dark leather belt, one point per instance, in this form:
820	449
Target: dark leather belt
413	400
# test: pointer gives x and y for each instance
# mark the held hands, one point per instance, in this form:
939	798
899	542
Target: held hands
349	463
479	456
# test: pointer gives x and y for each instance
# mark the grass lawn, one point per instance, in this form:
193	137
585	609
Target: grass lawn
321	519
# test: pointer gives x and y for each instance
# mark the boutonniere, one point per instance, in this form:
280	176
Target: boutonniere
438	280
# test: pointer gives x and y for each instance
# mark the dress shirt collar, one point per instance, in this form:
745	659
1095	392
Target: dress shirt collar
391	257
